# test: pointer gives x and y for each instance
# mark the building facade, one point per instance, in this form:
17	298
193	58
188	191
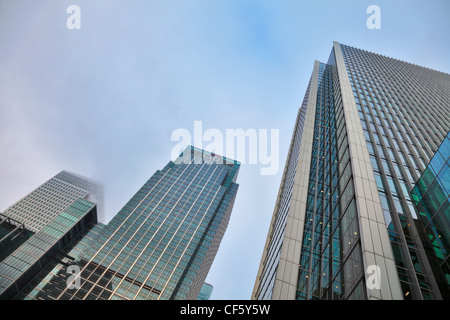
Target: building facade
43	204
205	292
160	245
34	250
431	196
344	224
34	229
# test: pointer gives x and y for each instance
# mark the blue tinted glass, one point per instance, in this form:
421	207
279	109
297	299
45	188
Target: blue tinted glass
437	162
444	149
444	177
428	176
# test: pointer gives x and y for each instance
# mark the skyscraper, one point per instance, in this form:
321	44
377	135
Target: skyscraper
431	196
34	229
32	251
47	201
344	224
160	245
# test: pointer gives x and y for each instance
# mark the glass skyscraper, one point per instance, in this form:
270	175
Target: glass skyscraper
345	225
34	229
26	253
431	195
160	245
47	201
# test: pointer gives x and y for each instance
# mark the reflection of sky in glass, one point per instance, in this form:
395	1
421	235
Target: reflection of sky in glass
432	198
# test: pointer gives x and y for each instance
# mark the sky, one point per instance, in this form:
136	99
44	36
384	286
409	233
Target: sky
104	100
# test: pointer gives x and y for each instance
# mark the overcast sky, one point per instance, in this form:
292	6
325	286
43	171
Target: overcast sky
103	101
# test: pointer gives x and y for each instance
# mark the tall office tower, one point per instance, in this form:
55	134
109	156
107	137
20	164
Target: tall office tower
33	230
344	224
431	195
26	253
160	245
47	201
